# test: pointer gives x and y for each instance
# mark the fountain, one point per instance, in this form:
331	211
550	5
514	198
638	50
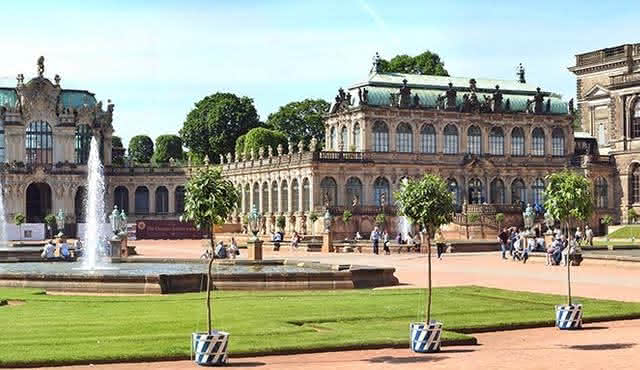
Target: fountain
94	237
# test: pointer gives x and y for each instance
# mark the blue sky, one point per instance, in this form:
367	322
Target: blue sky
155	59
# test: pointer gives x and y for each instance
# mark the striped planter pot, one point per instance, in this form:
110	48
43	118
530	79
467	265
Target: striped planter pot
569	316
425	338
210	349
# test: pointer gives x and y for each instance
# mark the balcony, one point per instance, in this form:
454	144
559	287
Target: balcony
615	54
624	80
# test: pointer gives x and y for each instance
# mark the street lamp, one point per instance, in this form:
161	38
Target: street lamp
254	221
60	221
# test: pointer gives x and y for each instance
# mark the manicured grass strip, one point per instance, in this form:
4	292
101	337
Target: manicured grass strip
626	232
79	329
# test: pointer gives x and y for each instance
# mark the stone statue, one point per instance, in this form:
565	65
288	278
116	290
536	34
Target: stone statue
547	107
497	100
472	85
300	146
348	98
474	104
290	146
355	201
236	157
261	153
252	154
20	79
538	101
466	104
365	96
485	106
206	159
507	105
440	102
313	144
416	100
172	162
229	157
40	66
280	149
405	94
451	98
571	108
520	74
221	159
326	199
269	151
392	99
549	221
528	216
56	78
375	68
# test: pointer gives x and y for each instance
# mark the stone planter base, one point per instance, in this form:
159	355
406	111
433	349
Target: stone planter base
210	349
569	316
425	338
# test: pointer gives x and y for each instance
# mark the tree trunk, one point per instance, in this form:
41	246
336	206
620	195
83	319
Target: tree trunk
209	312
568	264
429	276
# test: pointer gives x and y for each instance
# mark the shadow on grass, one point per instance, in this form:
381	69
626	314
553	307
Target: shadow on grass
405	360
600	347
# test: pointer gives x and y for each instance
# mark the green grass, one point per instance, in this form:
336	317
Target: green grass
79	329
626	232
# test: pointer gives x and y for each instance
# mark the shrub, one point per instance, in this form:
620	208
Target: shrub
141	149
346	216
167	146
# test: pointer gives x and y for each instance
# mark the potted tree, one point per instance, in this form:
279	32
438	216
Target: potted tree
19	219
606	221
568	200
429	203
632	216
313	217
281	222
50	221
209	200
499	221
380	218
346	218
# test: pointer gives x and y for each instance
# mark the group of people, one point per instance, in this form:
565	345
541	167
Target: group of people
561	251
223	252
63	248
377	237
520	245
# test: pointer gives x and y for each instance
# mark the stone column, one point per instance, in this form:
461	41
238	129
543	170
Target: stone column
132	199
507	141
392	136
172	200
152	200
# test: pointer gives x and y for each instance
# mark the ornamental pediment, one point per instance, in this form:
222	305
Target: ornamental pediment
38	99
597	92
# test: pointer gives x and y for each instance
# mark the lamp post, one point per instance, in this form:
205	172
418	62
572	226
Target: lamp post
60	221
254	244
327	237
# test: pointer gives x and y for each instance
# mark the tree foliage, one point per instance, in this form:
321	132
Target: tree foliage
19	219
215	123
167	146
260	137
427	63
346	216
141	149
117	151
116	142
300	120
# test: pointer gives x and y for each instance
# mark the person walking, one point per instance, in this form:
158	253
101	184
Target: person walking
503	238
588	235
440	245
385	243
375	239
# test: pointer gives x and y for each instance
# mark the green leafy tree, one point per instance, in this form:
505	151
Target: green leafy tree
499	220
300	120
632	215
281	222
427	202
167	146
19	219
346	216
141	149
215	123
380	219
260	137
117	151
567	198
427	63
209	200
50	221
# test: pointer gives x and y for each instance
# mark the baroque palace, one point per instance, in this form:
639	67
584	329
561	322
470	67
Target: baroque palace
494	141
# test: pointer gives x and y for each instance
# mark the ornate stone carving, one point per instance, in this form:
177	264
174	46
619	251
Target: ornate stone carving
290	146
269	151
300	146
342	101
261	152
38	100
40	66
229	157
405	94
280	149
376	65
313	144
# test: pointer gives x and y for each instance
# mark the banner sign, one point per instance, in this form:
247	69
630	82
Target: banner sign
167	229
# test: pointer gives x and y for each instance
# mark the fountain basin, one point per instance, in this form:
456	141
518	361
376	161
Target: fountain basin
166	276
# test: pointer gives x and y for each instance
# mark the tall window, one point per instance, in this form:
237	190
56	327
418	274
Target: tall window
497	191
247	198
517	142
295	196
329	189
284	196
306	195
39	143
82	144
333	140
635	184
381	186
428	139
518	192
356	137
404	138
474	140
557	142
537	142
265	198
2	144
601	193
635	125
454	189
121	198
538	191
344	139
496	141
142	200
179	194
450	139
353	192
274	197
162	200
380	137
476	191
256	196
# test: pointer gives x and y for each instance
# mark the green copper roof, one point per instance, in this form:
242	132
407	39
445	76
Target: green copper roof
70	98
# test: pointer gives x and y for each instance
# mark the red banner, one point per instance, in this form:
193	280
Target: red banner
168	229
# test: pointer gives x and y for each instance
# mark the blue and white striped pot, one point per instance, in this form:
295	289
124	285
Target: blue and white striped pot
425	338
569	316
210	349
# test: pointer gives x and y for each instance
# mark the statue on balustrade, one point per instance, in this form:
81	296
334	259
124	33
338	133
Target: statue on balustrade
363	96
451	98
355	201
538	101
405	94
497	100
416	100
465	107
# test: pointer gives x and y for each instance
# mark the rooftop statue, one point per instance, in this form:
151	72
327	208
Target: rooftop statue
405	94
472	85
416	100
497	100
571	108
40	66
451	97
547	107
466	104
363	96
313	144
520	74
538	101
376	65
507	105
440	102
474	103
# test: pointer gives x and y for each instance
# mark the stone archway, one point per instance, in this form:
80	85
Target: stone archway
38	202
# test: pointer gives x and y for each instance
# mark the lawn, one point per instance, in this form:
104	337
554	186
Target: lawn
78	329
626	232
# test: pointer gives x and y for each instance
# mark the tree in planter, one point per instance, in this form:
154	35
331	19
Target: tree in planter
568	200
19	219
281	222
632	216
380	219
209	200
50	221
346	217
473	218
313	217
499	220
429	203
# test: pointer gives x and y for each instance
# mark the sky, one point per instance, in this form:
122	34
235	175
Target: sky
155	59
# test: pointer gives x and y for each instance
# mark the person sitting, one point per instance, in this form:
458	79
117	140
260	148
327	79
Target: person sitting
572	253
399	239
277	238
358	237
578	235
64	250
79	249
295	239
49	250
220	251
385	243
233	249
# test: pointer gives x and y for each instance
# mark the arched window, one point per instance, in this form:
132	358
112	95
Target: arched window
380	137
518	192
601	193
404	138
537	142
635	121
476	191
274	197
295	196
450	139
497	191
39	143
557	142
80	205
82	144
353	192
474	140
265	198
496	141
121	198
454	189
306	195
635	184
380	187
538	191
344	138
162	200
356	137
329	190
517	142
428	139
256	196
142	200
247	199
333	139
179	195
284	196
